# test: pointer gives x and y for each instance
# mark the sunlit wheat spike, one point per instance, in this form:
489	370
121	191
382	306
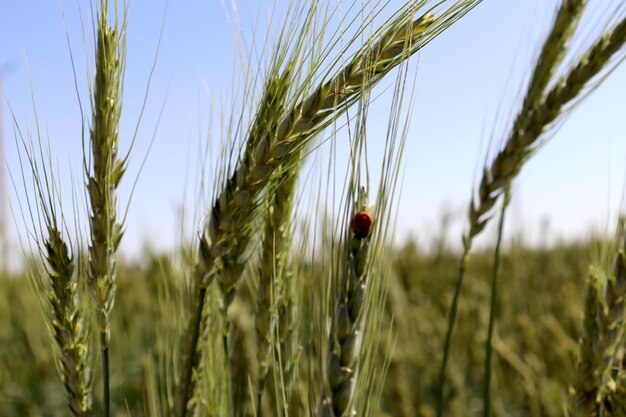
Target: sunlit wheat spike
235	205
551	54
104	177
276	233
525	129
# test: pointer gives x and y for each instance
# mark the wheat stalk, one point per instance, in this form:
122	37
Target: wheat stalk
103	179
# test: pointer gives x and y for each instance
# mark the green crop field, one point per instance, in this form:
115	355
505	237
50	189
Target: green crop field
536	341
279	306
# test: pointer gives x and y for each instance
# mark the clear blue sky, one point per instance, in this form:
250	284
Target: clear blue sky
466	77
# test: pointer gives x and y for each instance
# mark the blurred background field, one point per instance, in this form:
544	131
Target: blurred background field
540	315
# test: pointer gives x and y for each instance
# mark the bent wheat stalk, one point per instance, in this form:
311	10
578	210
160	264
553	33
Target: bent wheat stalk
532	124
236	206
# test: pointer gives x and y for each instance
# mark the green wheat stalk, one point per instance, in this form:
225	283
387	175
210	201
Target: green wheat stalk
492	307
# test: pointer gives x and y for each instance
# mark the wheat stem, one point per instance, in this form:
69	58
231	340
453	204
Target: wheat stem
492	308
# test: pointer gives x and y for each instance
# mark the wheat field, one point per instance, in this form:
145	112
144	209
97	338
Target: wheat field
292	297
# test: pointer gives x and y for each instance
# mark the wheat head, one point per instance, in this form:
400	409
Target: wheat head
103	179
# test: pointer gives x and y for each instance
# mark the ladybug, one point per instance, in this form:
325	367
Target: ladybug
362	224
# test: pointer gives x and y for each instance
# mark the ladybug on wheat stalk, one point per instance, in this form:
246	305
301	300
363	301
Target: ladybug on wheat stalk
362	224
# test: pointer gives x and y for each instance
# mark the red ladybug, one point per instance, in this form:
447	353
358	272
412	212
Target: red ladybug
362	224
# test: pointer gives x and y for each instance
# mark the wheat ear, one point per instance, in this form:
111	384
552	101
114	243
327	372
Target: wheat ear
59	281
235	207
584	392
271	107
538	111
103	179
276	233
523	140
602	330
530	127
346	333
67	325
273	279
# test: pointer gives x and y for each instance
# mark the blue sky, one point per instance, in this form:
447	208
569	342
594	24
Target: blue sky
465	79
